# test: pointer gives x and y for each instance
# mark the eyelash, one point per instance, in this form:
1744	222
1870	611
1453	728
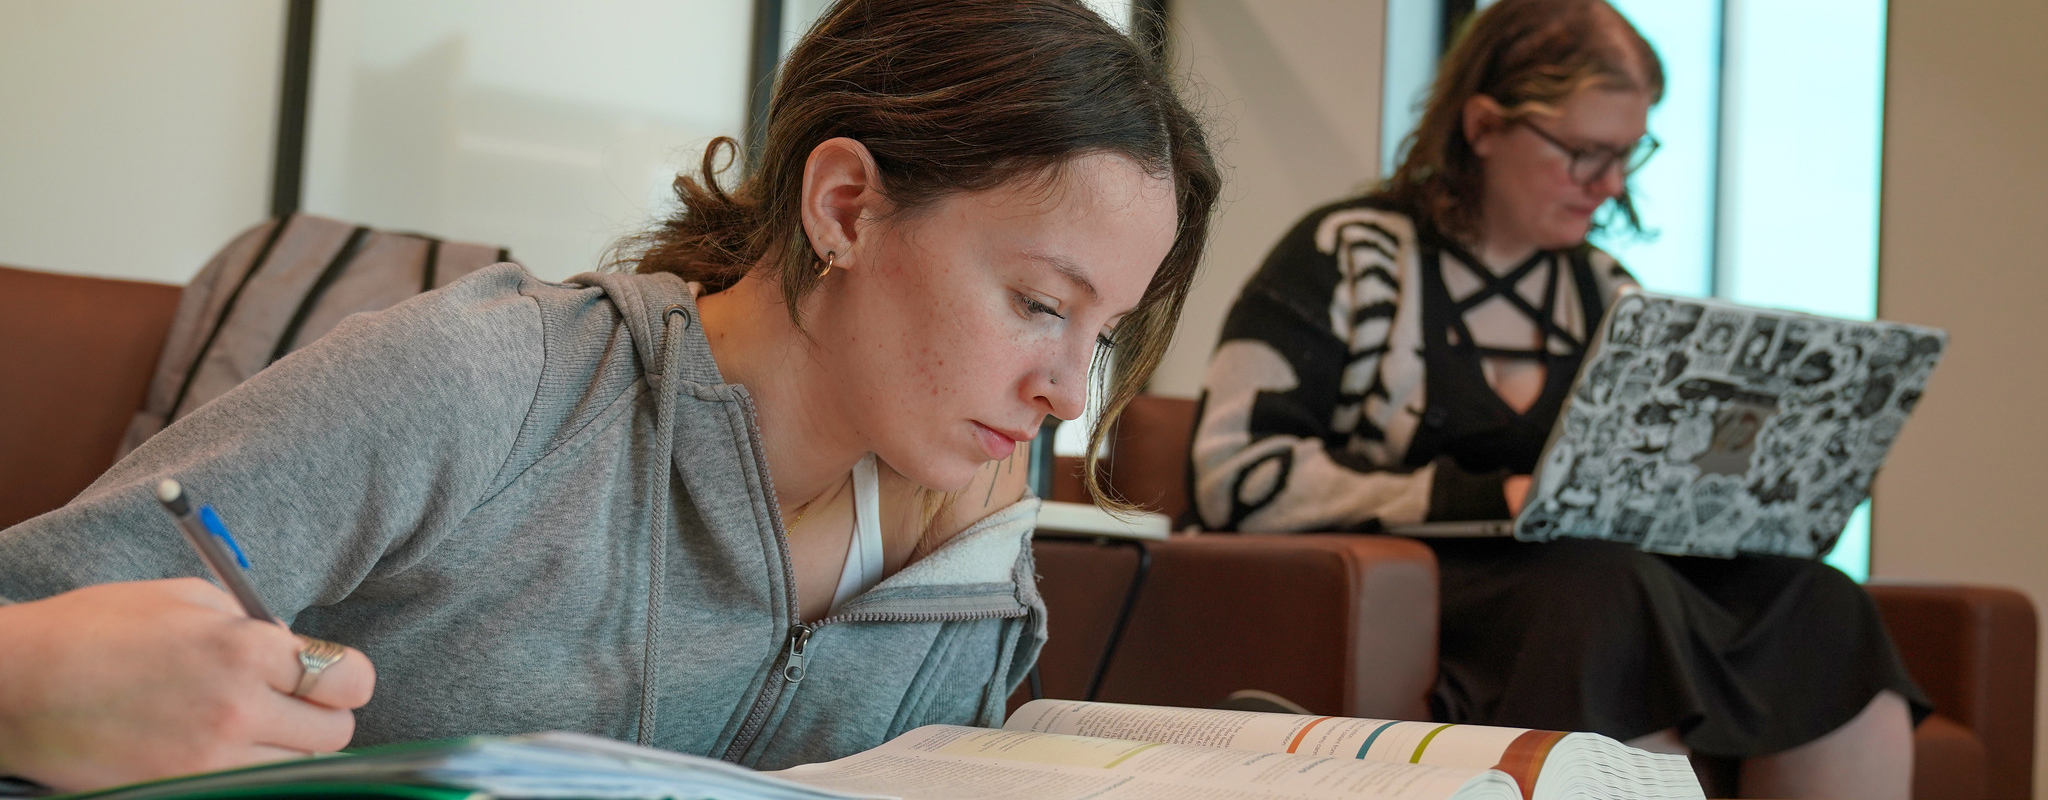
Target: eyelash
1035	307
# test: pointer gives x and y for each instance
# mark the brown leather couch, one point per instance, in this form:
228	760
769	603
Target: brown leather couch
1340	623
1346	624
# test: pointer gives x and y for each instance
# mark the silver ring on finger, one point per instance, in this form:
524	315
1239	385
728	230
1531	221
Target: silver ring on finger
314	658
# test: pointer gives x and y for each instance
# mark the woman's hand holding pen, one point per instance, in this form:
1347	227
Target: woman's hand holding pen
122	682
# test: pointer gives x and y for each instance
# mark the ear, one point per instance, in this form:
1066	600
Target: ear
1483	118
841	192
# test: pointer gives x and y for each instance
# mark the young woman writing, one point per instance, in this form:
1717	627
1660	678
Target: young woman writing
756	498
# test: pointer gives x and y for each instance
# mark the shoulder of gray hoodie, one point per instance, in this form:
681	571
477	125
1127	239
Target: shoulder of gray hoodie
536	506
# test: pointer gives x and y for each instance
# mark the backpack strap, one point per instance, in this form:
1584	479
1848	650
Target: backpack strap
340	262
226	308
433	263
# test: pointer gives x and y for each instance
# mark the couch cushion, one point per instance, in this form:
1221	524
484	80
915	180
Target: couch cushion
1342	624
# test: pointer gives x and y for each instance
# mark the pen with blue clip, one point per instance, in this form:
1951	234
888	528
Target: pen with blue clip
207	535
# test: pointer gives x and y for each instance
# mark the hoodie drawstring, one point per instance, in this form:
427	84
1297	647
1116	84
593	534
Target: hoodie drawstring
661	509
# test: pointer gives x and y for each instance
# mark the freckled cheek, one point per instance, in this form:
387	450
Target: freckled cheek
935	364
959	349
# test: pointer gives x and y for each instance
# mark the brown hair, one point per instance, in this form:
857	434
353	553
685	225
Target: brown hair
1529	56
949	97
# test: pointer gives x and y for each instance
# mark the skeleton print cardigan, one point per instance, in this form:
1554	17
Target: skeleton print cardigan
1316	386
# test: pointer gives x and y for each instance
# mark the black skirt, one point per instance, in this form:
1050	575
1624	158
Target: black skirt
1744	657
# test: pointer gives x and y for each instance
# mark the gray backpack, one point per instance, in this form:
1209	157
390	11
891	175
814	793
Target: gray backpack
278	286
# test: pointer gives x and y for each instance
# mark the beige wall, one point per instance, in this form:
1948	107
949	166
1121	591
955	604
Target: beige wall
137	134
1293	93
1965	188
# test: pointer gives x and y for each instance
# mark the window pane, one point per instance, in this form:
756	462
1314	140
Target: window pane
545	127
1804	128
1801	170
1675	192
1413	37
1118	12
1785	213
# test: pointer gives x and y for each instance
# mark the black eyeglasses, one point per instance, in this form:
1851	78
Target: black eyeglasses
1589	163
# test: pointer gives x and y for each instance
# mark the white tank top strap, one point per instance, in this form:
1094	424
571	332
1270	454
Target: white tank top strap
864	550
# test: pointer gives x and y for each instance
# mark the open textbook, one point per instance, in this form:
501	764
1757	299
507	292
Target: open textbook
1541	765
1048	750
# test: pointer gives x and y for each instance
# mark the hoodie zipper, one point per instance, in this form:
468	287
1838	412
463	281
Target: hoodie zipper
792	665
793	657
757	716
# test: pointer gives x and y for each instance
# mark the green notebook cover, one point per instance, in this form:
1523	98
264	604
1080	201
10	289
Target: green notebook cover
554	766
192	787
333	791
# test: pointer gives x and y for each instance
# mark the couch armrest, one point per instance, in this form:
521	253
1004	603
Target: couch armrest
77	354
1972	649
1343	624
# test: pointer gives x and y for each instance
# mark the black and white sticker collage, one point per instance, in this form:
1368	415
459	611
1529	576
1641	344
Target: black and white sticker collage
1703	428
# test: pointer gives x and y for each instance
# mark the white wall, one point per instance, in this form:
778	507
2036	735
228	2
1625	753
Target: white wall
550	128
137	135
1293	94
1965	186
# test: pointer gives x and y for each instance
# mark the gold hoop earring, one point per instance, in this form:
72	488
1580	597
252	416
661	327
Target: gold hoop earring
830	256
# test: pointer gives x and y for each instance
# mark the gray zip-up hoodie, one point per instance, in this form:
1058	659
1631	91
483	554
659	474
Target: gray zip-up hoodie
536	506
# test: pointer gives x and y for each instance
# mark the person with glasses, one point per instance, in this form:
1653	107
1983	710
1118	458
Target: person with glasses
1400	357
